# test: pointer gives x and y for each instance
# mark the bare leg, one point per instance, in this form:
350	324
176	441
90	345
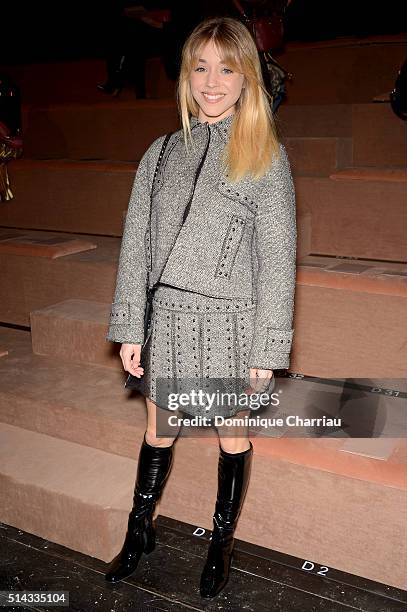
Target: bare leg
153	469
151	431
234	438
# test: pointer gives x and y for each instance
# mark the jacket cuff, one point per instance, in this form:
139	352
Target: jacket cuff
126	324
271	349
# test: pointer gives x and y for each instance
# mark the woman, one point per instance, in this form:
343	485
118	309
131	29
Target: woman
222	252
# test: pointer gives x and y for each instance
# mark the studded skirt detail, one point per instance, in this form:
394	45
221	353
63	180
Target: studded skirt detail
196	340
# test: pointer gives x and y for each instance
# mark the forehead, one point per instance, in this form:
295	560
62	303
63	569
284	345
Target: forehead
211	51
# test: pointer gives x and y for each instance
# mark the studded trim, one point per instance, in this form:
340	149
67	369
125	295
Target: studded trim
278	340
159	172
174	350
168	349
230	246
238	193
120	313
222	305
243	341
236	346
180	353
200	346
153	355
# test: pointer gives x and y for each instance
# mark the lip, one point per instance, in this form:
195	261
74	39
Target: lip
215	100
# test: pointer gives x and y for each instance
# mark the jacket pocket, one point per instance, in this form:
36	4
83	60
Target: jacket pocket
230	246
244	193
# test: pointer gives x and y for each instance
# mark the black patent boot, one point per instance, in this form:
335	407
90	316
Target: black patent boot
233	479
153	468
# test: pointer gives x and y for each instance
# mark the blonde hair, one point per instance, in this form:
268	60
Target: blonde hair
253	138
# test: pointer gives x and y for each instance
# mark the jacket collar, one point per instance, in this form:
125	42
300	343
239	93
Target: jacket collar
223	126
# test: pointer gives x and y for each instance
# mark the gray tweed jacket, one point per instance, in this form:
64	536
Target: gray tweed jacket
238	239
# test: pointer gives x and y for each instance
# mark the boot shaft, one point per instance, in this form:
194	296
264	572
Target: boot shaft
154	466
233	479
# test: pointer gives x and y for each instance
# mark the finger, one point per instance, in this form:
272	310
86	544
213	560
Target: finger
131	365
254	379
138	372
264	380
252	375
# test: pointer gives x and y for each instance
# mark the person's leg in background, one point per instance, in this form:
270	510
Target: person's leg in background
154	466
116	37
277	101
234	467
145	41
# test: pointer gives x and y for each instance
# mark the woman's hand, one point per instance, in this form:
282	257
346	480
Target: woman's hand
130	356
260	379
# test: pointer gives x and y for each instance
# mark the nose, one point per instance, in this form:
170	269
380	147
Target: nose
212	78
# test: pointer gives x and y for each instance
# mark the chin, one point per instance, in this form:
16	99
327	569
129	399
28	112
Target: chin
213	111
208	113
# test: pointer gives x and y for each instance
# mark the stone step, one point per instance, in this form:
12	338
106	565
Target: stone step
31	283
73	330
379	136
69	446
355	294
343	70
70	494
110	130
348	69
75	81
92	197
371	173
123	129
88	197
314	120
348	218
318	156
68	196
349	317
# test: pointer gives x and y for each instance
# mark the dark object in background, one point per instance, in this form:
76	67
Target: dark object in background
398	96
11	143
266	24
134	32
275	79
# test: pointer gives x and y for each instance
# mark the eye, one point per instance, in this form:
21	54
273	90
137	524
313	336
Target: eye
200	68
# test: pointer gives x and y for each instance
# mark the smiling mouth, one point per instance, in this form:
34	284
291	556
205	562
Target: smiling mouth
213	97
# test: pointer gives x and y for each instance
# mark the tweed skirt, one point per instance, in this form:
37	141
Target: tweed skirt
197	342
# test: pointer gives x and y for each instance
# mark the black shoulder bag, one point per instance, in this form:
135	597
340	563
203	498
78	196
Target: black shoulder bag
150	291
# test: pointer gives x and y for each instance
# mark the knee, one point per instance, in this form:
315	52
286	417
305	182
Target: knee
153	440
231	445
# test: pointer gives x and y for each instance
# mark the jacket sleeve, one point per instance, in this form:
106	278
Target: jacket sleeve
127	311
276	249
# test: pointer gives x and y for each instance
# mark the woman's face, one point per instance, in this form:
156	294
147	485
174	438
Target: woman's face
214	86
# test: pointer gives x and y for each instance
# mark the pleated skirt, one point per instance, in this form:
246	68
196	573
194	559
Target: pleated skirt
201	343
